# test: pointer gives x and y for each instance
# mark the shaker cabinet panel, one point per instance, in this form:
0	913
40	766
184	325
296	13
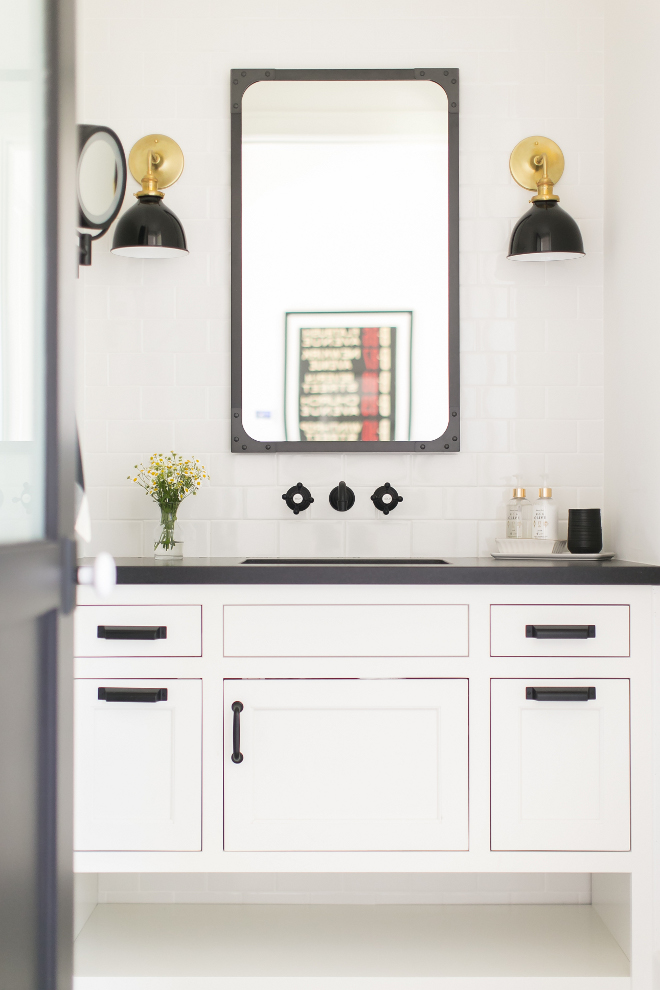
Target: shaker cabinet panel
560	764
346	630
138	764
346	764
560	630
138	631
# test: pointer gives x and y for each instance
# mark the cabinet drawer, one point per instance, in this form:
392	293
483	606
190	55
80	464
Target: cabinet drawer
346	764
138	764
560	764
138	631
345	630
560	630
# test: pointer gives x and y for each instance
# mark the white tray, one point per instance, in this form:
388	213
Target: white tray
603	555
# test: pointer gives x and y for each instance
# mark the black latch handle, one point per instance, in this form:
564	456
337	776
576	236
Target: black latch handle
237	756
132	694
131	632
560	693
560	632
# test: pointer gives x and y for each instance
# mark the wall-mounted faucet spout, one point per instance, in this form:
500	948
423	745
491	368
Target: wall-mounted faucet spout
342	497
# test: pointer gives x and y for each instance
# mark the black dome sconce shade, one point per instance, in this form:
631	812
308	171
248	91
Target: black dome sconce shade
545	232
149	229
298	498
386	498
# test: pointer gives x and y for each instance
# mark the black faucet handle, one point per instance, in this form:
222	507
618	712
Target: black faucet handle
386	498
342	498
298	498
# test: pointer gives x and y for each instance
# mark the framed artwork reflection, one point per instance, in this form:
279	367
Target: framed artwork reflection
348	376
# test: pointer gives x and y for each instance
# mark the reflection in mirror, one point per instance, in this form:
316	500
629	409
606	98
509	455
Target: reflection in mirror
345	261
99	171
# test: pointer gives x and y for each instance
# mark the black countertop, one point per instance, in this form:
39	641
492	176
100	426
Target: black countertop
458	570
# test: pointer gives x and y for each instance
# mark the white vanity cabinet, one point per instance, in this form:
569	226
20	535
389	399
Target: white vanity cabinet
346	764
138	764
382	727
560	764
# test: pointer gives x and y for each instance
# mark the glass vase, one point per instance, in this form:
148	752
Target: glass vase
168	541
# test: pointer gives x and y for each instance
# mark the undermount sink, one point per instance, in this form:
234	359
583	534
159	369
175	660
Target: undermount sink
398	561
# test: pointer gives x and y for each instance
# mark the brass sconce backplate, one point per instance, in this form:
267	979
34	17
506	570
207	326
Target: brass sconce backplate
526	171
167	161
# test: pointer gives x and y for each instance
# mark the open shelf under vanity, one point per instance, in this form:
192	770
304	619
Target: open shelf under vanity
213	946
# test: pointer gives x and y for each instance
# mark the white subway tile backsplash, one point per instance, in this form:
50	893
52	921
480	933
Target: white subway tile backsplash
179	402
444	538
507	470
575	469
549	368
451	469
129	435
475	503
105	336
485	435
300	537
156	334
376	469
311	469
202	369
175	335
575	402
141	369
244	538
210	435
384	537
111	402
544	435
485	369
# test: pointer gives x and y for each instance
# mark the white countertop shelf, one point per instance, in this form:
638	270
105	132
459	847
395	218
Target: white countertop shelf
435	947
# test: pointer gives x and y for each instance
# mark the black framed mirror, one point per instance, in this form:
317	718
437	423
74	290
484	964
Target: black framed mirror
345	289
100	183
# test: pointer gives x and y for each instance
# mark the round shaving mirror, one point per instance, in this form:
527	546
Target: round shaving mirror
101	183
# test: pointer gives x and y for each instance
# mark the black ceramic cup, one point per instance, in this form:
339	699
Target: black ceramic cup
585	532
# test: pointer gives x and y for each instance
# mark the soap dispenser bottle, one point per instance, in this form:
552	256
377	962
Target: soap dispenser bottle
519	516
544	520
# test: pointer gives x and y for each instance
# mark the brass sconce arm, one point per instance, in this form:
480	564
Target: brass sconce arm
150	180
544	183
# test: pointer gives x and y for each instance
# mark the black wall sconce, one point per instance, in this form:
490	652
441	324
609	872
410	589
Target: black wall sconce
545	232
100	182
149	229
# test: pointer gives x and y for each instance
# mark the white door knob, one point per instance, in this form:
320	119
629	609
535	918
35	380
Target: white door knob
101	575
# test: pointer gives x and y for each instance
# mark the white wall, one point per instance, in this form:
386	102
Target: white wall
156	334
632	263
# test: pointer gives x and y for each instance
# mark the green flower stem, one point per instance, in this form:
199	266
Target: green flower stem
168	511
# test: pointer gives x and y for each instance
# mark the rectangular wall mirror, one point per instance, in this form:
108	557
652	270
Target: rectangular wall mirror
345	260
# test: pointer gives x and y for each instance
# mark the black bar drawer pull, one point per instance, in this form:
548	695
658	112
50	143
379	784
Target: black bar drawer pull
237	756
131	632
560	693
560	632
132	694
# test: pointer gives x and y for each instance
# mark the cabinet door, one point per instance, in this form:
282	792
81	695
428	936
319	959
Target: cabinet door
138	764
347	764
560	764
